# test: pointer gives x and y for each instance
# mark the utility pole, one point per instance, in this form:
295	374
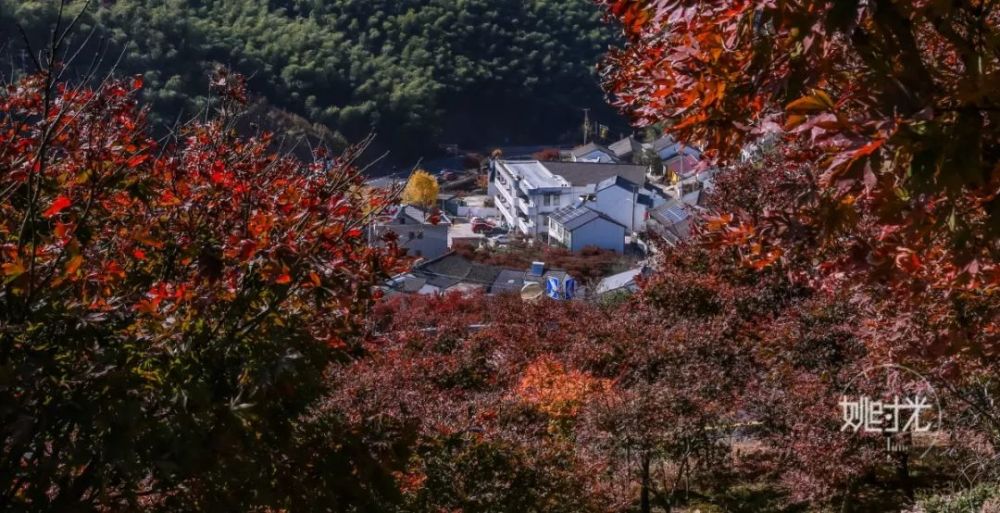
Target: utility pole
586	125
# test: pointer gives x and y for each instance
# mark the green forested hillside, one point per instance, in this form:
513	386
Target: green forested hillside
417	71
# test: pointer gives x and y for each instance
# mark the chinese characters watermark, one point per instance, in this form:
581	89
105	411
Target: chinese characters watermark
904	408
884	417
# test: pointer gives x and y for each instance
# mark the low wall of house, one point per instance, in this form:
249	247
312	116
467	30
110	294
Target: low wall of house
477	211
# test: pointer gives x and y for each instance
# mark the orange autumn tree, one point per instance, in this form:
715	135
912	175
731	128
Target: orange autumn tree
167	310
556	391
421	189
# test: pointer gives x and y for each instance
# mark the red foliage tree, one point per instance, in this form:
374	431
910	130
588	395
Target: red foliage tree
644	404
880	121
548	154
861	147
167	310
589	264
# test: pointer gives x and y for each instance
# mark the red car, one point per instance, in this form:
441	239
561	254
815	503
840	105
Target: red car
480	225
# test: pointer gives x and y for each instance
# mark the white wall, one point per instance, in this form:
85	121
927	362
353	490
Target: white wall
433	244
464	211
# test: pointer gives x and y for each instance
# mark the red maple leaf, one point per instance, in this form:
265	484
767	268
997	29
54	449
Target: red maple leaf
60	204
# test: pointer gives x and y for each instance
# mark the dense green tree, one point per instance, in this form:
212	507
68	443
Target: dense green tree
415	71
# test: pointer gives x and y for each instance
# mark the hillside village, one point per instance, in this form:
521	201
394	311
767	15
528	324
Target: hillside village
622	198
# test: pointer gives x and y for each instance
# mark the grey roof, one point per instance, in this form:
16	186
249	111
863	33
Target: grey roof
412	284
454	270
674	218
513	280
694	197
672	213
587	173
616	181
667	148
663	142
451	269
575	216
414	215
535	173
618	281
386	182
580	151
644	195
444	272
625	147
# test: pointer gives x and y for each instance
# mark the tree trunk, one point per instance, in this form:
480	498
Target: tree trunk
903	474
644	493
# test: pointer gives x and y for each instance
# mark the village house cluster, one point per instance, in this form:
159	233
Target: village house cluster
614	197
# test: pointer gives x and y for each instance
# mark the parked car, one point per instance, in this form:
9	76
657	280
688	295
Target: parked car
481	225
500	240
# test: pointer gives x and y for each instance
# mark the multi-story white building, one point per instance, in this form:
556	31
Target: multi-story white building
527	192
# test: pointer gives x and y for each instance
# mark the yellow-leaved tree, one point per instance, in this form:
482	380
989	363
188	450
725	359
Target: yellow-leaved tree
421	190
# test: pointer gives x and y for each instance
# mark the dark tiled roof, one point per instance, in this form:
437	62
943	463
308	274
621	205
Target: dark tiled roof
586	173
407	284
509	280
451	269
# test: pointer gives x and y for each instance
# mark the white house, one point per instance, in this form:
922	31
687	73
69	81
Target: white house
624	202
527	192
524	191
592	152
414	231
578	226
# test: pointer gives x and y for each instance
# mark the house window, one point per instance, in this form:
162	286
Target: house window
550	200
411	235
420	235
